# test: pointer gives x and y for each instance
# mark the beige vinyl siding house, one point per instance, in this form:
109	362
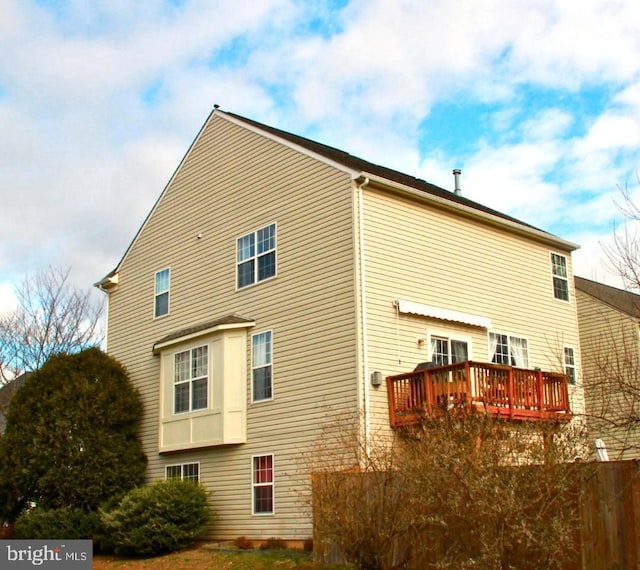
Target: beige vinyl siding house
459	264
232	182
610	342
262	293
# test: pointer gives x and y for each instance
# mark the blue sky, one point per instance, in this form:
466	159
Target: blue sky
537	101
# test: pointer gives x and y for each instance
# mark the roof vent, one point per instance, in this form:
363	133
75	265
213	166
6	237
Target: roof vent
456	177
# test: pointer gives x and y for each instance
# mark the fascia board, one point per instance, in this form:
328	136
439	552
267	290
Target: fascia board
469	212
298	148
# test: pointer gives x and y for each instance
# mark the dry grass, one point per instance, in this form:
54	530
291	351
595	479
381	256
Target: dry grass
211	557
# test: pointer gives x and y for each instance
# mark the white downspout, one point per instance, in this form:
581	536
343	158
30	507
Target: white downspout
105	316
361	183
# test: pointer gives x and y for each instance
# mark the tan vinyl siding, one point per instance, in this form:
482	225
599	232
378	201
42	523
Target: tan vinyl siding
610	360
330	329
421	254
234	182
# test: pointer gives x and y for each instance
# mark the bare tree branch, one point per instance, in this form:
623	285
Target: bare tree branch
611	343
52	317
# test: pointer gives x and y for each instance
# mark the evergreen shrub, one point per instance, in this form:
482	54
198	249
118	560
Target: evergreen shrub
161	517
64	523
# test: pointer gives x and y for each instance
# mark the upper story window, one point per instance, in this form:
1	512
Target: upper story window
261	366
446	351
186	471
510	350
190	380
256	256
560	277
262	485
570	364
162	293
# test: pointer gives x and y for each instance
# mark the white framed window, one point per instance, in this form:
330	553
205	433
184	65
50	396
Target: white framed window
161	297
262	485
508	349
570	364
560	276
256	256
262	366
191	380
184	471
203	401
446	350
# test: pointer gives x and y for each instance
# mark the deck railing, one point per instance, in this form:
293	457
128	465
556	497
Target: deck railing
504	391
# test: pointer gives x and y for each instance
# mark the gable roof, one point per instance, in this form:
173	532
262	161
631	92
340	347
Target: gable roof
624	301
361	165
357	167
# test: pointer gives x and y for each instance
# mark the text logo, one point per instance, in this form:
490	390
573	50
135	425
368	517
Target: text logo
66	554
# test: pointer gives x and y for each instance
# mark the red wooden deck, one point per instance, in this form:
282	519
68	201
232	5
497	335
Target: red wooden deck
503	391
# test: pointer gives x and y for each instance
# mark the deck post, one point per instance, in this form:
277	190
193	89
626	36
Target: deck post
540	387
428	387
392	402
467	374
511	392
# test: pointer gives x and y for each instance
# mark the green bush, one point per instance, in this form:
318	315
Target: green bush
71	436
65	523
162	517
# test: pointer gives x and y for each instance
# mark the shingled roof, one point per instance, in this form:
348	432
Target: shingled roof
202	327
624	301
359	164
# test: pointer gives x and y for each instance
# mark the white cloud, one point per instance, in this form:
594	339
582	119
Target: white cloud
99	101
8	301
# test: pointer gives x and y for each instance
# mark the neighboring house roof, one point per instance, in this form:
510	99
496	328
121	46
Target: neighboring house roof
355	165
6	393
624	301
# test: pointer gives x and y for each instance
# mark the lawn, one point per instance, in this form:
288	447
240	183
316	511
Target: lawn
211	557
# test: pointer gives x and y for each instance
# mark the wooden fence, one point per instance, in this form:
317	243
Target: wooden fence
609	508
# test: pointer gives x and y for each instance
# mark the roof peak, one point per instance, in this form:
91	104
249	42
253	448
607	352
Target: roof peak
356	163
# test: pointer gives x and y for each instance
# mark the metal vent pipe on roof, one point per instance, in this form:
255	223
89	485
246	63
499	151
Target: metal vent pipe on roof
456	177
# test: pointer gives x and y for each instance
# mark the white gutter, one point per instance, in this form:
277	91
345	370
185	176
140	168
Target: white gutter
470	212
361	182
106	322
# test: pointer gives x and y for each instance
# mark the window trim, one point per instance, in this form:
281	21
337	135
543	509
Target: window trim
255	255
509	337
191	380
270	364
156	294
565	366
271	484
182	466
555	276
